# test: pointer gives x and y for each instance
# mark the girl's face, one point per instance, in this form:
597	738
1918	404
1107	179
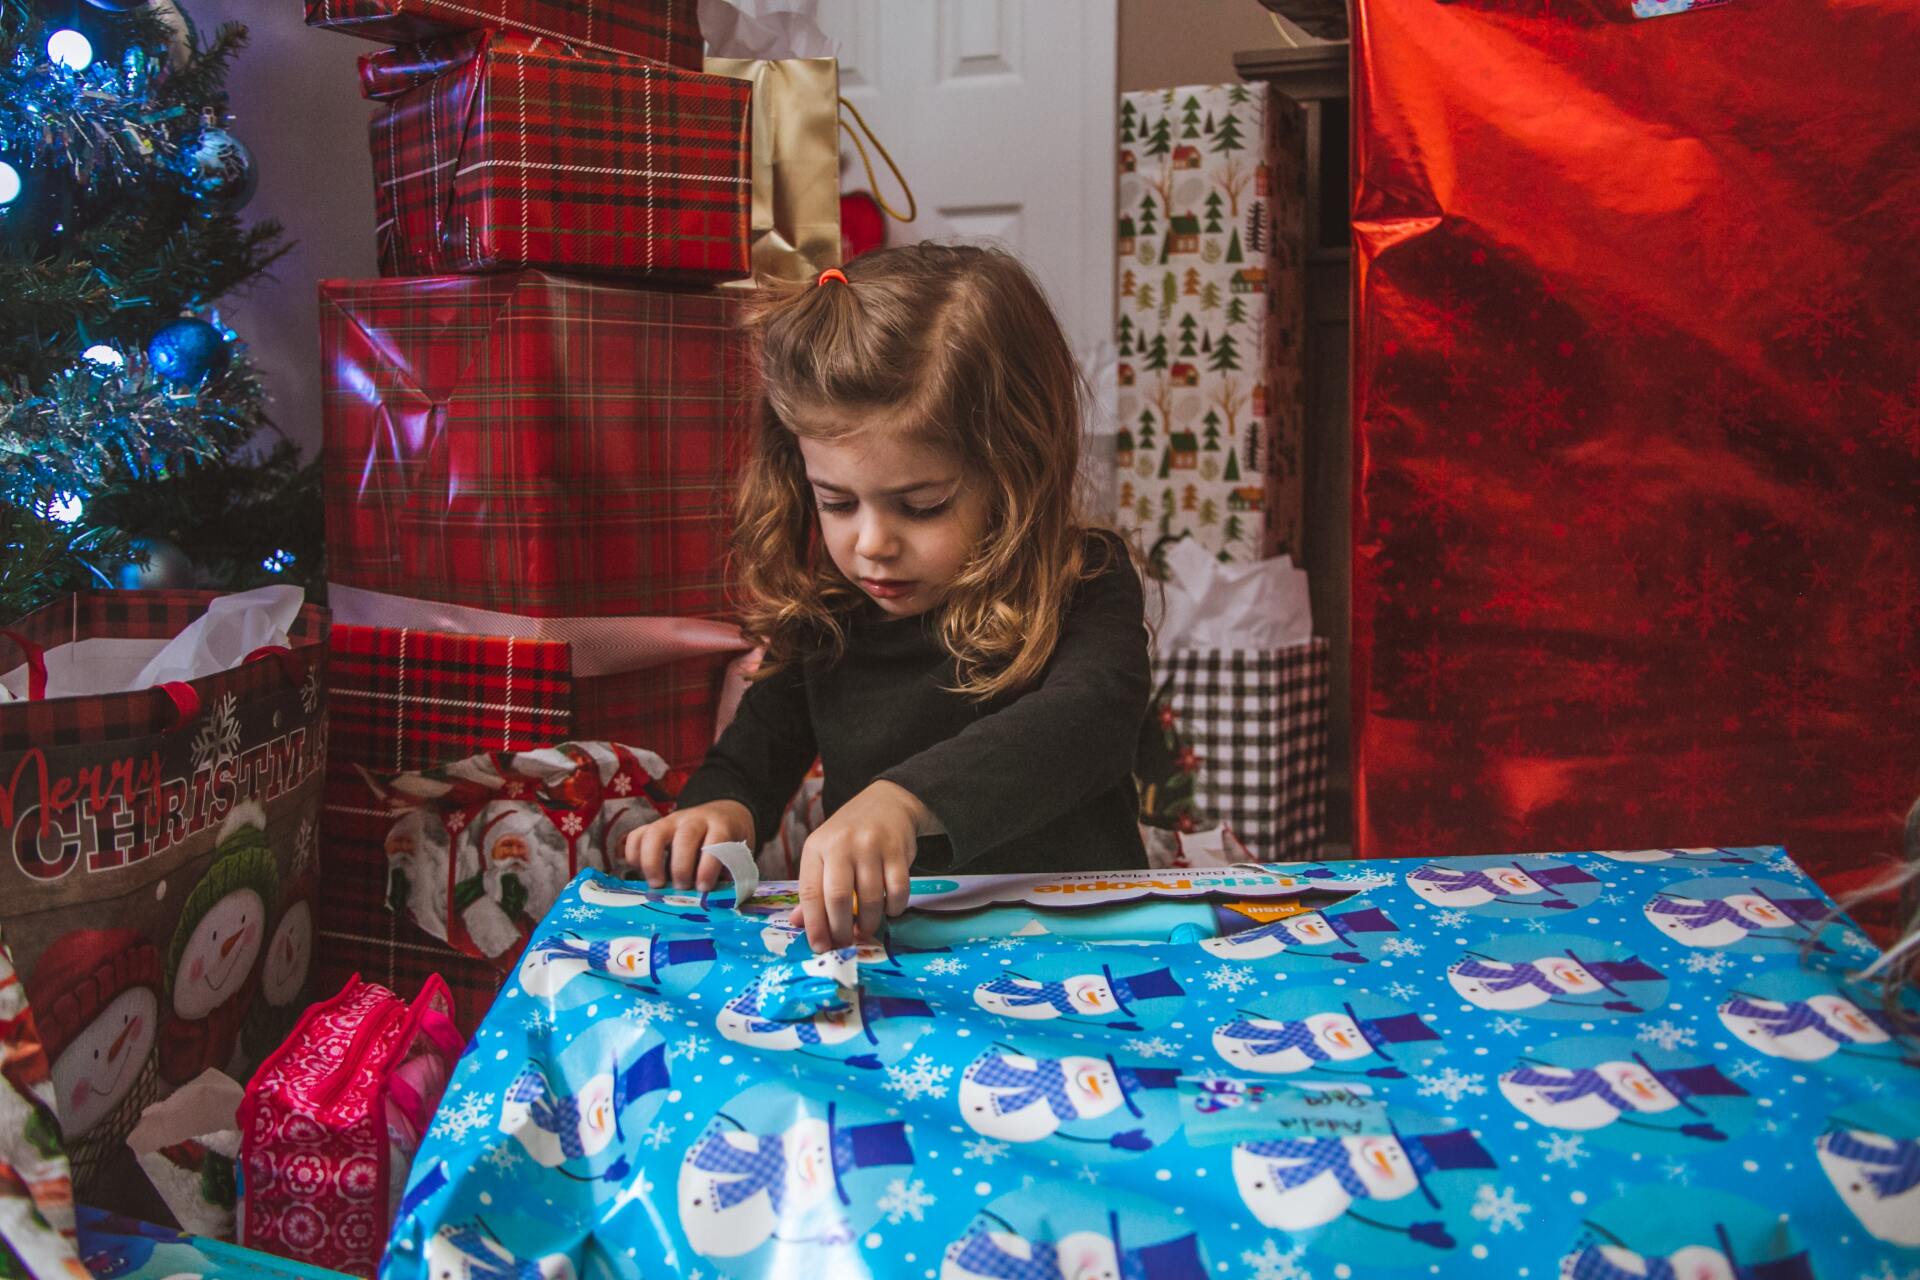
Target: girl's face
898	516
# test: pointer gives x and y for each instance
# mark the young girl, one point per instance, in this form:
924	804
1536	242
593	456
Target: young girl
965	656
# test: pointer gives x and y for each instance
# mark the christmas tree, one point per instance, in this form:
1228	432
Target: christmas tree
125	400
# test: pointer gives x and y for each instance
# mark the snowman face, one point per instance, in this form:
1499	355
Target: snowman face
1846	1017
1801	1046
1758	911
1383	1165
445	1261
631	959
1640	1087
1720	933
1563	973
104	1061
1240	1053
596	1127
1087	993
1693	1262
1242	946
776	938
1310	930
1090	1084
1091	994
1080	1255
1536	1103
219	955
1512	880
1380	1161
1339	1036
1895	1218
809	1150
285	970
835	1027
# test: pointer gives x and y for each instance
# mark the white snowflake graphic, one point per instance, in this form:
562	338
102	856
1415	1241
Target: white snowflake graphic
1666	1034
310	690
1783	866
945	966
538	1022
1886	1272
658	1136
622	785
985	1150
1745	1069
688	1048
1225	977
1677	1172
1449	919
648	1012
1452	1084
1402	947
456	823
1402	990
578	912
904	1200
1714	963
305	846
1499	1210
1854	942
1088	1174
454	1121
1566	1149
502	1158
219	738
1536	926
922	1078
1508	1026
1271	1264
571	824
1154	1048
1004	944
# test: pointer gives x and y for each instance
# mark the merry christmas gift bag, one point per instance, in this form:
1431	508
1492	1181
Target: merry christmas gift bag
161	861
666	31
500	151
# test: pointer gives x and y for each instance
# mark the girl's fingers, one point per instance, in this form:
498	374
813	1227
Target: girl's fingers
899	886
871	880
708	875
653	846
836	894
686	852
812	916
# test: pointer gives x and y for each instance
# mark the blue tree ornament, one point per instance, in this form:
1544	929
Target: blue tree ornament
218	169
188	352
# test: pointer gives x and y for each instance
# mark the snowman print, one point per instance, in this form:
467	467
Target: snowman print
1628	1095
1875	1173
556	1123
469	1251
1529	886
1082	997
1725	912
599	890
1069	1234
96	994
1333	938
1799	1017
1101	1107
551	964
1326	1039
1556	976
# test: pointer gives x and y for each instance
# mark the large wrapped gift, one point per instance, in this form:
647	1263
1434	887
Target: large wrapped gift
1636	556
408	699
500	151
1209	443
157	893
1360	1070
665	31
530	444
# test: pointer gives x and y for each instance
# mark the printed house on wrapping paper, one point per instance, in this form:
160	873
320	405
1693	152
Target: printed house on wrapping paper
1183	234
1123	451
1126	160
1187	156
1185	375
1186	451
1247	498
1250	280
1124	242
1125	374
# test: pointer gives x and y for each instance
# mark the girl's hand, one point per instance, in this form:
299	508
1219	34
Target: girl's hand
671	845
863	851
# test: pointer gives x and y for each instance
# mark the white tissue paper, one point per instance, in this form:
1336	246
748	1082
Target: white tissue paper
765	29
1210	605
233	627
196	1182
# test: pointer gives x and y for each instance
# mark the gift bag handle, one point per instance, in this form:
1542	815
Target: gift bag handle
36	665
873	185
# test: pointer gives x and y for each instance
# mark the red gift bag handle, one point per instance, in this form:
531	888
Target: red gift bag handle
36	665
288	662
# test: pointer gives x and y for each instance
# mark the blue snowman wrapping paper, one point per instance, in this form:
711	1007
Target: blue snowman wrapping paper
1591	1066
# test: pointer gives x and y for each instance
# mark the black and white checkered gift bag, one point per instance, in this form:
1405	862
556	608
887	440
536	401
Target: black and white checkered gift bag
1257	719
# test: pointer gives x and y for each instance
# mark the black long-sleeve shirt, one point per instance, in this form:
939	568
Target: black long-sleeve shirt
1039	781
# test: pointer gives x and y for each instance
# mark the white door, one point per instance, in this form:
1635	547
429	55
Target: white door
1001	114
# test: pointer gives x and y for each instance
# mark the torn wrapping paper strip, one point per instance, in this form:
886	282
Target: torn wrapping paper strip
1283	1064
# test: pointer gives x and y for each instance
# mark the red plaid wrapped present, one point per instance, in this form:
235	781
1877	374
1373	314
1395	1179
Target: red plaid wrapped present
664	30
404	700
503	151
541	446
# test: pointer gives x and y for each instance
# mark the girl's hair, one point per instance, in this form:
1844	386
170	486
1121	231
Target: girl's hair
958	345
1898	968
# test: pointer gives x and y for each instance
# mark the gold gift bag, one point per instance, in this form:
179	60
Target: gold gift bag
796	164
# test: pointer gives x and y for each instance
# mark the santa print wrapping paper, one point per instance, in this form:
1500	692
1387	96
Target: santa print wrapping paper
531	444
160	866
1476	1066
501	151
409	700
1636	550
664	30
1203	447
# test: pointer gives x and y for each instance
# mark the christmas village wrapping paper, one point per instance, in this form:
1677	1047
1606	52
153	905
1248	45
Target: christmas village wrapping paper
1605	1066
1208	396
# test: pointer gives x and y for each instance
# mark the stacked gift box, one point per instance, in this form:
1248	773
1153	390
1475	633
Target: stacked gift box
529	417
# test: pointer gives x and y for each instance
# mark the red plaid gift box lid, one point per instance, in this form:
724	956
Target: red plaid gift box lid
503	150
665	30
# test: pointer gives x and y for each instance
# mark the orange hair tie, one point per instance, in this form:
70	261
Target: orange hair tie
831	273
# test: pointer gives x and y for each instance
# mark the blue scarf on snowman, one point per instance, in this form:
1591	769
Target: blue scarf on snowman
1895	1170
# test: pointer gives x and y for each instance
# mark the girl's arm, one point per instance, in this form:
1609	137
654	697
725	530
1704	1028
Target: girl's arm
761	757
1064	741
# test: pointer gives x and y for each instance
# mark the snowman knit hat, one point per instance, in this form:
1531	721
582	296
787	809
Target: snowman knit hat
243	861
82	974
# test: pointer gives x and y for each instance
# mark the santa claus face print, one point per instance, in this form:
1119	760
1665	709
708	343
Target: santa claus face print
103	1062
285	971
219	954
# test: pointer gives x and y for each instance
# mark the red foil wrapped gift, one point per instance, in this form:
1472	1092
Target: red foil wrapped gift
500	151
666	31
1637	405
532	445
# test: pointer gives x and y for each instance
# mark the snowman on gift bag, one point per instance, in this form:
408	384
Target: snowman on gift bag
1569	978
469	1251
1016	1097
1333	936
740	1189
1631	1092
984	1253
95	994
1877	1177
1297	1184
1322	1041
556	960
556	1125
1080	997
211	970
